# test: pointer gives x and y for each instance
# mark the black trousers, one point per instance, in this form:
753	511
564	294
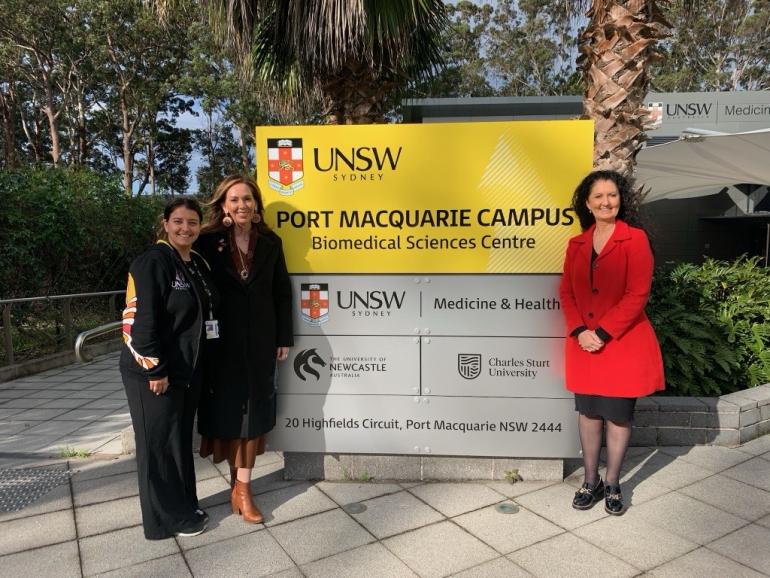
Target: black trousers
163	427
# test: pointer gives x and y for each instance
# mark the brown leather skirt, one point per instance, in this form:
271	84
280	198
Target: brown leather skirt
239	452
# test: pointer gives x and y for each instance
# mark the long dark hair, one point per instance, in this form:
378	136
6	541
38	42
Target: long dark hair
172	205
630	211
214	212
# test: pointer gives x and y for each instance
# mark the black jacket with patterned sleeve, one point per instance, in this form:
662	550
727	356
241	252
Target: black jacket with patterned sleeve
163	323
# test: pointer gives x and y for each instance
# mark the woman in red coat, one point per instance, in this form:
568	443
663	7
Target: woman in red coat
612	354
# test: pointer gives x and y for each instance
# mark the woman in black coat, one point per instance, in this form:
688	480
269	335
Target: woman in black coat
238	404
170	302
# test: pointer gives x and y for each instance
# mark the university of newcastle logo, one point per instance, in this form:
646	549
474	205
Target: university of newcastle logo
304	361
315	303
284	165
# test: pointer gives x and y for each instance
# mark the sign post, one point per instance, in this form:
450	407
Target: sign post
425	261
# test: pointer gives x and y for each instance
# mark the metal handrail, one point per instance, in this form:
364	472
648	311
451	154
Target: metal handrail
57	297
80	342
7	304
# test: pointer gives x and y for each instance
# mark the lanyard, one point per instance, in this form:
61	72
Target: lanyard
192	267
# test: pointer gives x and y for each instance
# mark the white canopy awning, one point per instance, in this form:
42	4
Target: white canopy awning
698	165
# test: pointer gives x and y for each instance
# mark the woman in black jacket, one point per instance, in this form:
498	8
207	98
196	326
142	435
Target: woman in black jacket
238	404
170	301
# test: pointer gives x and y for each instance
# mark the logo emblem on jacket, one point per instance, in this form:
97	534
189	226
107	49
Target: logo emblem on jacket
180	283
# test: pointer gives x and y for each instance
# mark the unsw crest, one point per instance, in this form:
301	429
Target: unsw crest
315	303
656	112
285	167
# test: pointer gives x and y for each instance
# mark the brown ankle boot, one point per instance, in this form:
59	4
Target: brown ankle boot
243	503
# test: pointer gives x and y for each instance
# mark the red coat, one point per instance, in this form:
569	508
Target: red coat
630	364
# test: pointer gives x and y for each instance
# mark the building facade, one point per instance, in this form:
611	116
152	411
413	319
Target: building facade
720	223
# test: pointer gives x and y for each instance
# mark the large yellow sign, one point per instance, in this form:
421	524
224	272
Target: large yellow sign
424	198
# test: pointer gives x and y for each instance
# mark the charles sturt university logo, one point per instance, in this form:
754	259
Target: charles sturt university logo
469	365
284	165
315	303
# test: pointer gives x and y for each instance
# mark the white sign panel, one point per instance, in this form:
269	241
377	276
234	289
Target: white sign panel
493	367
360	365
481	305
426	426
439	364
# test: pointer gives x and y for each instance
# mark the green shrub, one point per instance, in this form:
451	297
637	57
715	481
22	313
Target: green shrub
713	324
67	231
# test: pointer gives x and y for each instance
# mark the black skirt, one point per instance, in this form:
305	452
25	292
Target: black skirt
616	409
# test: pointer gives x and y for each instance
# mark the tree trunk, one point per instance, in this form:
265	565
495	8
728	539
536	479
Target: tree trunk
245	161
616	52
151	165
8	106
33	138
82	135
48	108
128	157
127	129
357	91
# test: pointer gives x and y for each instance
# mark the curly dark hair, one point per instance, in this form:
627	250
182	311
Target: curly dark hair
630	212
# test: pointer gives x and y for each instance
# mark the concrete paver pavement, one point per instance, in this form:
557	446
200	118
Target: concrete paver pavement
694	511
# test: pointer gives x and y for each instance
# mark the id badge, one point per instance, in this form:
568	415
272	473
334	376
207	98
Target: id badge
212	329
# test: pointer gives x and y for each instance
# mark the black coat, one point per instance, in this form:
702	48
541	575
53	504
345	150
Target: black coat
163	321
238	399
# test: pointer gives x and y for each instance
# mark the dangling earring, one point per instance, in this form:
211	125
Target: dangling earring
256	218
227	220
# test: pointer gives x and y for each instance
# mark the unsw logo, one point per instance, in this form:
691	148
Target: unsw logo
180	283
314	303
284	165
303	361
656	112
469	365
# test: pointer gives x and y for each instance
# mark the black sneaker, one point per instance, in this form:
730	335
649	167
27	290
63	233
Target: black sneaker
202	514
193	530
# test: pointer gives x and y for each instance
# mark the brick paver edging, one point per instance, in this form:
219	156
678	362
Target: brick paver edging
729	420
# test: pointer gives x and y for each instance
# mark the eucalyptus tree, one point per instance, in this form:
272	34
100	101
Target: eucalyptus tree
221	154
717	45
465	46
532	49
10	99
40	30
142	62
222	92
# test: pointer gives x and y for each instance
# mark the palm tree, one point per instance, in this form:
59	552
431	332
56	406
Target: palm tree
353	52
353	55
616	51
357	53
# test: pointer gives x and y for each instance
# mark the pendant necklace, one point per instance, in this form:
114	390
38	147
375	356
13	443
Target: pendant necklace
244	270
245	264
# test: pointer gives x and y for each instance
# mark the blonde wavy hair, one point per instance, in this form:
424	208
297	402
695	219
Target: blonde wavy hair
214	212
